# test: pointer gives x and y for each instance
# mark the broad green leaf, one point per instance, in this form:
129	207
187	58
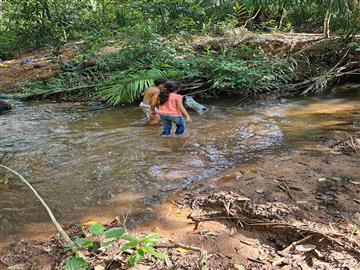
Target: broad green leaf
153	252
97	229
76	264
82	243
151	236
115	233
128	238
139	255
129	245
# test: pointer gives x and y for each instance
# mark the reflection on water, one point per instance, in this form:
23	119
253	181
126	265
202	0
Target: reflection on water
82	160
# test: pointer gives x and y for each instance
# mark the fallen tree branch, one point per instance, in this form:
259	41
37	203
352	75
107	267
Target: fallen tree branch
251	18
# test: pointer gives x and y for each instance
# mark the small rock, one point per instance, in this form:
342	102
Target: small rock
4	106
322	179
260	190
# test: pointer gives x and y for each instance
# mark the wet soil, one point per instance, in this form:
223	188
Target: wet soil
315	191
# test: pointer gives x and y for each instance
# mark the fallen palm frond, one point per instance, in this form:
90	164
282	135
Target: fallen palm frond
125	87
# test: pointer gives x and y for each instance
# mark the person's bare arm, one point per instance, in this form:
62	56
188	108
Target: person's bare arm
154	102
183	110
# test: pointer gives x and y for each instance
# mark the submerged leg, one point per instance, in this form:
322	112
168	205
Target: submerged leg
167	124
180	126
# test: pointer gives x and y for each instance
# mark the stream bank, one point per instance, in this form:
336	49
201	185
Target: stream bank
240	63
292	164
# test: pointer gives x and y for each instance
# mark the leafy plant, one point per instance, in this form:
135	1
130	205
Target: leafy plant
5	181
142	247
75	263
139	247
126	87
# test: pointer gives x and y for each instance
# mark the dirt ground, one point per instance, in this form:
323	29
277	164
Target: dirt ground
298	210
41	65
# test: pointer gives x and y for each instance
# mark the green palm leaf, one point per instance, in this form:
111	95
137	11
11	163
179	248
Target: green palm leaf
126	87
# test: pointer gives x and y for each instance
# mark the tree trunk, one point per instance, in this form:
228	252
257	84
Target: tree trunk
327	23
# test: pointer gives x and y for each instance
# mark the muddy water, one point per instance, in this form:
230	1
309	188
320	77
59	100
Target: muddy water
91	163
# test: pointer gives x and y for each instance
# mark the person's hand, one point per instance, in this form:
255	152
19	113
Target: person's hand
188	119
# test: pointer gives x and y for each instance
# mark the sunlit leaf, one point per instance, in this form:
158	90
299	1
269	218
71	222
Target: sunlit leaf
97	229
82	243
154	252
76	264
115	233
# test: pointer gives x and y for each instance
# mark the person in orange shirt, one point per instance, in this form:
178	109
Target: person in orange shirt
149	96
171	109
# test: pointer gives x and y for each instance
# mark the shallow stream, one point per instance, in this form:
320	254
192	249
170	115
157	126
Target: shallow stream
90	162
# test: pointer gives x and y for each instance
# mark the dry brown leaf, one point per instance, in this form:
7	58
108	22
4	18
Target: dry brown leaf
305	248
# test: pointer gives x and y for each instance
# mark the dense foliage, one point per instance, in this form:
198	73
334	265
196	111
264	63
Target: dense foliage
154	38
29	24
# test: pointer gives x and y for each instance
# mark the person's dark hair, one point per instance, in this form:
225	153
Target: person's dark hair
159	81
169	87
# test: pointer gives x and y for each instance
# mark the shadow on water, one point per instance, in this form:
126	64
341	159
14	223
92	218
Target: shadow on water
88	162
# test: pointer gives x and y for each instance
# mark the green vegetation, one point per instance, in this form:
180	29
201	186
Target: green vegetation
30	24
156	38
136	248
5	181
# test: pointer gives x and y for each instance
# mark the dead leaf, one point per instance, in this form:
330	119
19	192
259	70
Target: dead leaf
99	267
17	267
89	223
242	199
318	253
305	248
301	202
357	201
183	250
233	231
278	262
239	267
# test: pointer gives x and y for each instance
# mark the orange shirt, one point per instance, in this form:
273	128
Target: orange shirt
170	107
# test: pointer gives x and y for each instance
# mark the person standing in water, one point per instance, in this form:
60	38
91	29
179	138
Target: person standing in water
172	110
149	97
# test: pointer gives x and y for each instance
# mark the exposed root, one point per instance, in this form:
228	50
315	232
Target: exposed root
275	217
346	144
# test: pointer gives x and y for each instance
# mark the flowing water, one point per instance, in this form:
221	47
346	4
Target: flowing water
87	160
